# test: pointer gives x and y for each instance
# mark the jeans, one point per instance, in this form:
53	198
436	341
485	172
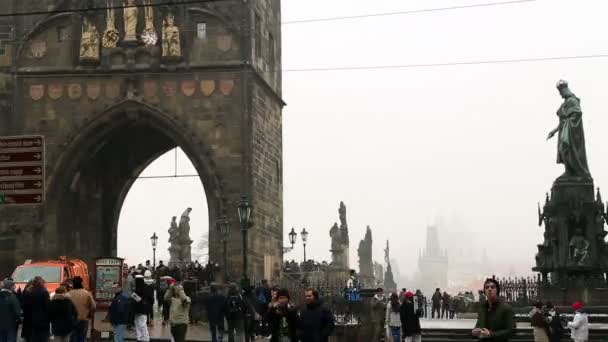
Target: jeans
141	329
179	332
396	333
235	327
217	331
80	332
9	335
119	332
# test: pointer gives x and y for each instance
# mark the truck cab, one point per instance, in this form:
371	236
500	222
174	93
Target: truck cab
54	272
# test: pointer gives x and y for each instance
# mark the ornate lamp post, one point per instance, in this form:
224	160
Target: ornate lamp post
292	237
244	211
154	240
224	229
304	235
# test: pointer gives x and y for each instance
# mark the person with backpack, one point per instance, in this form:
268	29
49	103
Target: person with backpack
235	315
393	318
215	304
119	313
63	314
556	324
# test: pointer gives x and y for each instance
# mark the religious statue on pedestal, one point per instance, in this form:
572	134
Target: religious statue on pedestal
130	20
171	40
89	41
174	242
149	36
184	236
571	138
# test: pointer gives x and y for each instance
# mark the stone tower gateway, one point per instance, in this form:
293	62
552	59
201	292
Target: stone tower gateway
201	76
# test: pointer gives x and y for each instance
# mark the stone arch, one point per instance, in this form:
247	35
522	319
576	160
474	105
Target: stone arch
99	164
40	27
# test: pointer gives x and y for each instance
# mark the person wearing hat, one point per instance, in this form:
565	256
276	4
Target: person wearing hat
579	327
410	319
495	318
282	318
10	311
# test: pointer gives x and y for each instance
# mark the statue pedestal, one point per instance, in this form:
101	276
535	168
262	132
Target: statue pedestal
573	253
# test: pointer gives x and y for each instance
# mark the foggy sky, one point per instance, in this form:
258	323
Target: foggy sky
407	147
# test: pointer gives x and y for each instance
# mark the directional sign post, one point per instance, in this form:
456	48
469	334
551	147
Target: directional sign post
22	162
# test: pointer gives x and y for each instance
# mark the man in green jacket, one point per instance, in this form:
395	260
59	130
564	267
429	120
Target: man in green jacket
495	320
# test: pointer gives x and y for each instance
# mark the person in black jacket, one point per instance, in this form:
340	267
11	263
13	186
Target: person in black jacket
282	318
10	311
410	319
63	314
215	305
556	322
119	314
236	310
36	312
316	321
142	306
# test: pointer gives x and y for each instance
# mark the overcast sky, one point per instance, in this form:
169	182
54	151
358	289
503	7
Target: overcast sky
406	147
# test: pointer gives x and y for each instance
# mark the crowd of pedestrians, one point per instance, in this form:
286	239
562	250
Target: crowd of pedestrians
396	317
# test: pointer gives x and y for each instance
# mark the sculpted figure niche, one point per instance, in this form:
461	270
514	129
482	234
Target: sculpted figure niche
110	35
571	138
171	41
149	36
130	19
89	41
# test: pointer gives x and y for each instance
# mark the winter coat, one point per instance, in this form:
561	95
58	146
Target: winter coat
84	302
283	321
393	318
236	308
144	305
409	320
316	323
379	309
10	310
498	319
119	309
179	309
64	315
540	326
436	299
216	307
557	329
579	327
36	310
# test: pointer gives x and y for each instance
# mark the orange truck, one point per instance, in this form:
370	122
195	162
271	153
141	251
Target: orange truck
54	272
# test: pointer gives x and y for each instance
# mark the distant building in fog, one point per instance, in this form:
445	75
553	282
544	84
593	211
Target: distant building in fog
432	264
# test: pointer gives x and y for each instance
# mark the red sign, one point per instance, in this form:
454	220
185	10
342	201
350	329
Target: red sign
21	170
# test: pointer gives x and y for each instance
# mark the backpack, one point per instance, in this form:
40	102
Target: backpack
261	298
235	305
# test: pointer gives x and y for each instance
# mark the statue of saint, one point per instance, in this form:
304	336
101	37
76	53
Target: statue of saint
342	212
89	41
184	233
174	243
171	41
579	249
571	137
130	19
335	235
111	34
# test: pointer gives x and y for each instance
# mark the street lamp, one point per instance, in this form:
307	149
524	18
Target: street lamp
224	229
154	240
244	211
304	235
292	237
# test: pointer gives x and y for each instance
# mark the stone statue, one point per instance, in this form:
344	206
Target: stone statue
334	233
386	254
149	36
571	137
184	236
579	249
89	41
130	19
342	212
171	40
366	264
110	35
174	242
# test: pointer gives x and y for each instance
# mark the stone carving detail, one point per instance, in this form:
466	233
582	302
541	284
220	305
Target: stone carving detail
579	249
149	36
171	40
89	41
130	20
110	35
